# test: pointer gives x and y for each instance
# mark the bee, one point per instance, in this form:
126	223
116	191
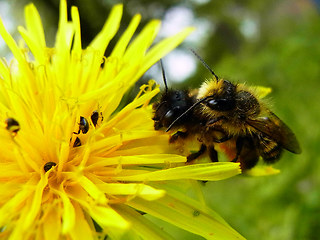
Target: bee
228	115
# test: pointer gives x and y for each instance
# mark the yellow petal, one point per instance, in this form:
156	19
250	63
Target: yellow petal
204	172
65	30
144	228
131	106
141	190
4	70
92	189
37	51
68	215
142	42
163	48
115	88
7	210
259	171
34	24
109	29
34	35
141	159
10	171
36	202
187	216
107	217
82	229
123	42
17	53
52	226
77	35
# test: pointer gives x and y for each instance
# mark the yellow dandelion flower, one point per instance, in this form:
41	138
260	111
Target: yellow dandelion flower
73	165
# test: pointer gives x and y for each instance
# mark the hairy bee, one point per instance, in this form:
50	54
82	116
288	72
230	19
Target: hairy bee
228	115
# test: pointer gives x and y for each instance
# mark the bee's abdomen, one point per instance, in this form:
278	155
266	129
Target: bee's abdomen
269	149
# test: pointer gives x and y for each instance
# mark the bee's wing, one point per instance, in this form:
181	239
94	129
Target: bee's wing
277	130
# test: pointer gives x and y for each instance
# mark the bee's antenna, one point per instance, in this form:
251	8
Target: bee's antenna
204	64
185	112
164	76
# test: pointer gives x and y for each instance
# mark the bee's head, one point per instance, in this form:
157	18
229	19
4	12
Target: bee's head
219	95
171	105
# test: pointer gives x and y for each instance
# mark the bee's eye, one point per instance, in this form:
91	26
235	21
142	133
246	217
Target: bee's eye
222	104
169	114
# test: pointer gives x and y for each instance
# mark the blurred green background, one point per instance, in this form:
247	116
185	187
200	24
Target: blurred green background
270	43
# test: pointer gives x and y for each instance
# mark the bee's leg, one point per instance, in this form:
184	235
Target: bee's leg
178	135
195	155
225	138
213	154
239	146
247	152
